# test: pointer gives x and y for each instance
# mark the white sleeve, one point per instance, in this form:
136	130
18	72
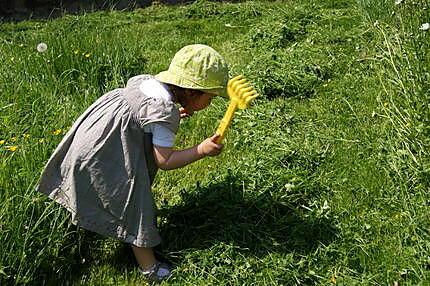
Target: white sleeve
161	136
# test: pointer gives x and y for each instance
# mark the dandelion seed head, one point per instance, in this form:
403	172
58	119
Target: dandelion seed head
425	26
42	47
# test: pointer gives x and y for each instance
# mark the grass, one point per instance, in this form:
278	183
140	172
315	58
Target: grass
323	181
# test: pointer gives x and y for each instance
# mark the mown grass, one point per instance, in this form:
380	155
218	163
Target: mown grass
324	181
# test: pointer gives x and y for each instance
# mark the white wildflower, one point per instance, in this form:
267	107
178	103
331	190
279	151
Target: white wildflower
376	23
289	187
425	26
397	2
325	206
42	47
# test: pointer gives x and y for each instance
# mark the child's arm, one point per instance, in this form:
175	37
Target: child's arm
168	158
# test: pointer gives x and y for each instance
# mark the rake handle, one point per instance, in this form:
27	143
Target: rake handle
226	121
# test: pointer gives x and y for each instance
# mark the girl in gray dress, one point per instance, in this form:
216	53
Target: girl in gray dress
102	170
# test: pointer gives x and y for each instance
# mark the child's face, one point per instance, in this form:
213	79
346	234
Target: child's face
197	100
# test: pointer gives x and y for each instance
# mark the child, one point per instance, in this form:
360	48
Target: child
103	168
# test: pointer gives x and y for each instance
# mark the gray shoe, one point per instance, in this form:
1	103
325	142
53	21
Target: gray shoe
158	272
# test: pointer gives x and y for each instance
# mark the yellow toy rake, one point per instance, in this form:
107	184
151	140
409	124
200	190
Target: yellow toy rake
241	94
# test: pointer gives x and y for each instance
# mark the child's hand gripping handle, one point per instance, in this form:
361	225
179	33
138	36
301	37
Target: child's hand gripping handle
241	94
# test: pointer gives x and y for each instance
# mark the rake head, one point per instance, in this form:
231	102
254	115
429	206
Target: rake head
241	91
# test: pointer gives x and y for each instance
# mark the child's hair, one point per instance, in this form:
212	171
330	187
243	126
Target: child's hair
179	92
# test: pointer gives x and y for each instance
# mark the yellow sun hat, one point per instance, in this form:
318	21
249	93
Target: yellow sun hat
197	67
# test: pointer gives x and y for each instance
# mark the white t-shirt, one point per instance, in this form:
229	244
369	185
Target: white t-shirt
161	135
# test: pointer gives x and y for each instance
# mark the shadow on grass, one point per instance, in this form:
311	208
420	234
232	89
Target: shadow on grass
261	223
216	213
222	213
68	265
82	251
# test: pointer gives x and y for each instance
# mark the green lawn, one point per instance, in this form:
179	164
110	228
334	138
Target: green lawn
324	181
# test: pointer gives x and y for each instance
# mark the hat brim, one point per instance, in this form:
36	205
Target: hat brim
178	80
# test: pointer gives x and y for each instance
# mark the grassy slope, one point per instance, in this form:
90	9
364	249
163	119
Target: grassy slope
303	192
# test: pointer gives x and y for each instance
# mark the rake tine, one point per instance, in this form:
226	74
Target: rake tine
241	94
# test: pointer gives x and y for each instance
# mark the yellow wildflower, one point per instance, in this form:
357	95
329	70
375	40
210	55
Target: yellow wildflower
333	279
26	135
2	142
56	132
12	148
76	52
386	104
41	140
87	55
13	139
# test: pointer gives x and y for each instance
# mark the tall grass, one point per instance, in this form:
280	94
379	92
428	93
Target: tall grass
404	72
405	77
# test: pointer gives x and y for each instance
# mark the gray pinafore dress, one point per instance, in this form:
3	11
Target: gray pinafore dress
103	168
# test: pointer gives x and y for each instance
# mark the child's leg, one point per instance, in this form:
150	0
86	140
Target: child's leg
144	256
